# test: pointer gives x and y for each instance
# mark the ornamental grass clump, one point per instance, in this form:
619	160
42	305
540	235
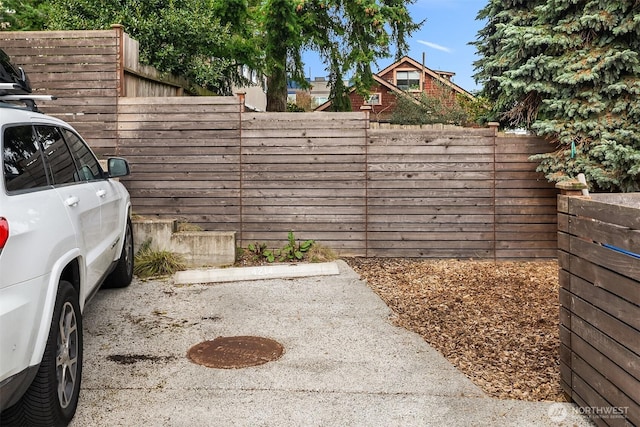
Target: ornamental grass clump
150	262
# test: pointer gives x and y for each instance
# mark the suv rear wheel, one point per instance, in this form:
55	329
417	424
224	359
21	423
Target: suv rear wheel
52	398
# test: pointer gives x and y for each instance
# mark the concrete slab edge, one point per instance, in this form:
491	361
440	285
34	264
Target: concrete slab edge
278	271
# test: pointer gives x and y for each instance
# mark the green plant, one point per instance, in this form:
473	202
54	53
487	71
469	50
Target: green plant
150	262
294	250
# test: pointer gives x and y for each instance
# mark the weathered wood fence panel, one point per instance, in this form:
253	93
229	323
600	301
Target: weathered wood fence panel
81	69
88	71
430	193
185	158
600	304
304	173
525	202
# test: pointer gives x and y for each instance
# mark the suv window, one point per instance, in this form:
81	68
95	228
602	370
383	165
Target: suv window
59	159
86	162
22	160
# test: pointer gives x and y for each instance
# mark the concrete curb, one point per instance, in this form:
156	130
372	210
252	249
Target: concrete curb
279	271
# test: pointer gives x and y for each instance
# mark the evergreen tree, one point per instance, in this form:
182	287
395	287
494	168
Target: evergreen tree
569	70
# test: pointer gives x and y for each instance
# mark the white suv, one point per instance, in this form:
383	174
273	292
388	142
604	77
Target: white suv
64	231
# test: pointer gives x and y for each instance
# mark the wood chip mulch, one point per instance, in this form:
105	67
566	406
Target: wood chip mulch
497	322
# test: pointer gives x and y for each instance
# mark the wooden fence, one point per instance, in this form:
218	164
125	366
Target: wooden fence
329	177
600	305
88	71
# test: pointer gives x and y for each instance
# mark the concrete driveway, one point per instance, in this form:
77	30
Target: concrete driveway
344	364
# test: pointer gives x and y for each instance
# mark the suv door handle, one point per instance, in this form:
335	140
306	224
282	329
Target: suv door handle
101	193
72	201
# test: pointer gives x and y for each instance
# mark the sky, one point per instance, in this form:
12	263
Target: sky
450	25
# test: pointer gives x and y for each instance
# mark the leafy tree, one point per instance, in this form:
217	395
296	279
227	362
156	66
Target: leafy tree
24	15
430	108
348	35
204	41
570	71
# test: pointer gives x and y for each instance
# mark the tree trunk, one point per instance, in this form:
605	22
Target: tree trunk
277	91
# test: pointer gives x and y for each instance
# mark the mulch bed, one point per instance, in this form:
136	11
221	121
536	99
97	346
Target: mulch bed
497	322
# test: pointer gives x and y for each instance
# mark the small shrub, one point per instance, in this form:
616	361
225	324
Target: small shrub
294	250
152	263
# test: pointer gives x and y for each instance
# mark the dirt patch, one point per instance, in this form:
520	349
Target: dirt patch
130	359
496	322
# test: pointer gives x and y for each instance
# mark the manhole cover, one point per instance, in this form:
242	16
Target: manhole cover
235	352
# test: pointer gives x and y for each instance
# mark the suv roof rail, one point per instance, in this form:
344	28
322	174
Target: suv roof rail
27	98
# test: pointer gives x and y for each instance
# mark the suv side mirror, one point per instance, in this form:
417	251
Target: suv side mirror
117	166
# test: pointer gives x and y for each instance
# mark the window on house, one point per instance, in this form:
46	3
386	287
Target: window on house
374	99
408	80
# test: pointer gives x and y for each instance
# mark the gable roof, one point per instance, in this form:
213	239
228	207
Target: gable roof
380	81
436	75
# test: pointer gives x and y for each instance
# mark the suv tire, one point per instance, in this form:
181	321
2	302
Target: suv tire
52	398
122	275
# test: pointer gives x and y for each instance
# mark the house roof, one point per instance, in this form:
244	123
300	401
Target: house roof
379	80
436	75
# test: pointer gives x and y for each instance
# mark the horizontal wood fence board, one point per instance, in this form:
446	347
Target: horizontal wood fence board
170	102
164	126
611	281
434	236
191	160
408	159
484	204
302	133
429	150
332	187
464	228
618	262
430	166
301	193
526	201
302	155
187	118
392	208
411	183
431	134
302	126
620	215
526	210
605	233
433	253
285	159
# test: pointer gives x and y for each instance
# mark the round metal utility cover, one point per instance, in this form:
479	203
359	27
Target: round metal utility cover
235	352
